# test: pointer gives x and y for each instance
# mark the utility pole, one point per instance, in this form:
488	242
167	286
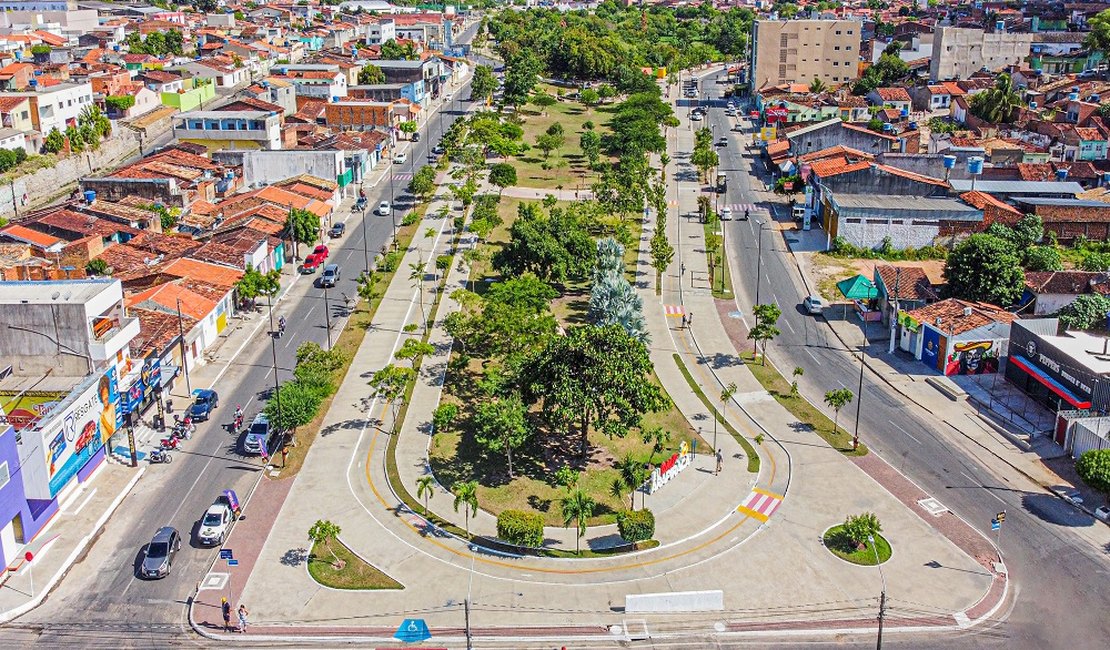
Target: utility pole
894	315
859	397
365	243
181	339
327	315
466	609
273	350
882	614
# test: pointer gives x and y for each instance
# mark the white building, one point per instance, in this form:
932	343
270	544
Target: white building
380	32
58	106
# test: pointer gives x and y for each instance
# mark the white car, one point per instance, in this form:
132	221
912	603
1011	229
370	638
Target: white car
695	117
813	305
447	97
726	214
383	208
214	526
400	157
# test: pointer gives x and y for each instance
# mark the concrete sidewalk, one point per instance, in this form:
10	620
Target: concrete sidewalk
66	536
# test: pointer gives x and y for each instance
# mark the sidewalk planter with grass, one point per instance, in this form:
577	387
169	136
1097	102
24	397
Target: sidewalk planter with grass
837	541
749	450
350	572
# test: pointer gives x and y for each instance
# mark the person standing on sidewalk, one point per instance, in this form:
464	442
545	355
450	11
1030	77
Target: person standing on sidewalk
243	618
226	609
690	319
720	462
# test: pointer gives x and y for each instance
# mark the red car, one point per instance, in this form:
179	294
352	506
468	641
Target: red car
321	252
314	260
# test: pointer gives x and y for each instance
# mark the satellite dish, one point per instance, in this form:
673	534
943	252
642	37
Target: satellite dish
55	295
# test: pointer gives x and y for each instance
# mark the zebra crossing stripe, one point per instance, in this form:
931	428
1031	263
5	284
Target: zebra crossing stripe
760	504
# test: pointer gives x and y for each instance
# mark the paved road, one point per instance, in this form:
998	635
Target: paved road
101	601
1060	581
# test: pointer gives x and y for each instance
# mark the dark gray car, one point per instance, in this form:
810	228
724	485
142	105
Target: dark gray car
160	553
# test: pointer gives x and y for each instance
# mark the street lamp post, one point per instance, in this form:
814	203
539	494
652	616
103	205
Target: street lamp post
882	594
327	315
181	339
365	243
392	211
273	350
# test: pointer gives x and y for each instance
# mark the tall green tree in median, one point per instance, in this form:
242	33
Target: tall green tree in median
293	405
302	227
322	533
423	183
466	495
577	507
766	327
985	268
838	399
593	377
662	254
483	84
501	425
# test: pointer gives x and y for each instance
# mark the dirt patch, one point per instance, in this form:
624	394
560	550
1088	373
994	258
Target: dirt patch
826	271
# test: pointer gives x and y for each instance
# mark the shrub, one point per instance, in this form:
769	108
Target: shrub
390	261
520	528
410	219
858	528
443	262
444	416
636	525
1087	311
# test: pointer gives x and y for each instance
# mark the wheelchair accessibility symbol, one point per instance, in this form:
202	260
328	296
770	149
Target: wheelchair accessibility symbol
412	630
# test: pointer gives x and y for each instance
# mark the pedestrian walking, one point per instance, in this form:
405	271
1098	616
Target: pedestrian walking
720	461
243	618
684	321
683	268
690	319
284	455
226	608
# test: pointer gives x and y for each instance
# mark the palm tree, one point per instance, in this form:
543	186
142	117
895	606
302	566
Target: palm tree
577	506
633	475
425	487
997	104
726	394
466	494
416	275
817	86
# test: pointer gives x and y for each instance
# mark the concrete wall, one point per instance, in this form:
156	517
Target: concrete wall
870	232
931	164
959	52
266	167
45	338
678	601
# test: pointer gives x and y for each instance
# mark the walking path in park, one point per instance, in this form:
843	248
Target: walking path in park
804	487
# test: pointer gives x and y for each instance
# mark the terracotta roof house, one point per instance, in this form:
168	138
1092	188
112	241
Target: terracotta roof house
956	337
1053	290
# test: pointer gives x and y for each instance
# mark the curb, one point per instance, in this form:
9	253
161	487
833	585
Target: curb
16	612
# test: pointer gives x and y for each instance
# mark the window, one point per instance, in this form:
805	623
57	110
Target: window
851	220
838	32
837	48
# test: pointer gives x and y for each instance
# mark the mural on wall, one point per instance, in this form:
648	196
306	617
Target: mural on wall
930	348
972	358
23	409
85	425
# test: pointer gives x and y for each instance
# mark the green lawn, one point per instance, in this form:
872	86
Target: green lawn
722	279
839	545
749	450
808	414
356	574
567	166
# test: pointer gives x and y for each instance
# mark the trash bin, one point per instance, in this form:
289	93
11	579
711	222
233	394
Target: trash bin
159	422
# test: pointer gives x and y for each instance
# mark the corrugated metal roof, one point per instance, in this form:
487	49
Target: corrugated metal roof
1070	203
1018	187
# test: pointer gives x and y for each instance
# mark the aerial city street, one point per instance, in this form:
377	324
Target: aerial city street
541	324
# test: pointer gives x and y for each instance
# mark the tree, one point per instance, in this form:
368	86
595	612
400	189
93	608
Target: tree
1086	312
817	86
556	247
302	227
502	175
425	488
704	158
466	495
613	301
590	142
423	183
521	71
391	50
577	507
96	266
766	318
589	97
859	528
371	74
798	372
543	101
662	254
548	143
55	141
1098	39
483	84
500	425
656	437
254	283
593	376
408	128
636	526
412	350
293	405
1043	258
1093	468
322	533
119	103
389	383
633	474
985	268
367	282
838	399
997	104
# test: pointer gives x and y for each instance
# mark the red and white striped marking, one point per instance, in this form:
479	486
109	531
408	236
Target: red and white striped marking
760	504
674	311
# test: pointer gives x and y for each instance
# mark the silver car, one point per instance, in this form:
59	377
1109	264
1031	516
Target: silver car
160	553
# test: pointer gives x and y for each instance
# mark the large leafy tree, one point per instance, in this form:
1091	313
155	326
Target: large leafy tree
302	226
255	283
594	377
483	84
1093	468
423	183
371	74
513	317
394	51
1099	37
556	247
502	175
985	268
521	72
500	425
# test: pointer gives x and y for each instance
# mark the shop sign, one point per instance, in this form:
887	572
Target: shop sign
670	468
85	425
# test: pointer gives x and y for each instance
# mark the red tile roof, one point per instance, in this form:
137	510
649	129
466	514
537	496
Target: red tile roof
959	316
911	283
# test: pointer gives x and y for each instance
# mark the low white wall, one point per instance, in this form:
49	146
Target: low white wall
677	601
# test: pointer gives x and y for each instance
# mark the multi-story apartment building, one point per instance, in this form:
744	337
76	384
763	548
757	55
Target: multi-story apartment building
57	106
229	129
797	51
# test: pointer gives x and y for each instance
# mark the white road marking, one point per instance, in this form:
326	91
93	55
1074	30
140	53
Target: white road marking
813	357
789	326
905	432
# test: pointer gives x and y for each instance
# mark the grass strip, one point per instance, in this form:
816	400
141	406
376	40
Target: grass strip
838	543
749	450
721	282
356	574
775	384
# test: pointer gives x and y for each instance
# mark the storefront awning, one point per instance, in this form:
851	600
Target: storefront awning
1048	382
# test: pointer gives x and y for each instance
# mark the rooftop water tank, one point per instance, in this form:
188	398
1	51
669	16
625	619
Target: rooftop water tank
1061	174
90	196
975	165
949	162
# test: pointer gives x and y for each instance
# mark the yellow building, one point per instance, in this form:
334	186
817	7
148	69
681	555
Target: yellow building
797	51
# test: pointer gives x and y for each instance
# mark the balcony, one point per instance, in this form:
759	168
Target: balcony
105	346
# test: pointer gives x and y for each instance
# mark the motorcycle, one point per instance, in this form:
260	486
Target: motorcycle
238	423
168	443
159	456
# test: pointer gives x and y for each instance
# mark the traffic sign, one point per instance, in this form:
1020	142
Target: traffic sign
412	630
28	556
1001	517
225	554
995	524
233	562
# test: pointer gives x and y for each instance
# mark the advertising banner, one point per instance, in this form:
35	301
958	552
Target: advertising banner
930	348
22	409
77	433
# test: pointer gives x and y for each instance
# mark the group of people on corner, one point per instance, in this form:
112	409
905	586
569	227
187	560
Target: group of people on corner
225	607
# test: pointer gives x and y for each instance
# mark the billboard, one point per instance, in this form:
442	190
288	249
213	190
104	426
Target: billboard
972	358
22	409
142	390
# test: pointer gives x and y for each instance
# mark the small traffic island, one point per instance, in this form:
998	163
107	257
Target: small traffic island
866	553
334	565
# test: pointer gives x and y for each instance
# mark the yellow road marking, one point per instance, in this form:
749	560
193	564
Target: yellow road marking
768	493
752	513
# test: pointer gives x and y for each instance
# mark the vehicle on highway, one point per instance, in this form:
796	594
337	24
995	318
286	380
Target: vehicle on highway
383	208
439	149
330	276
447	97
310	264
160	553
400	157
723	142
726	213
257	435
813	305
1103	513
321	251
695	117
416	136
722	182
338	228
215	523
205	402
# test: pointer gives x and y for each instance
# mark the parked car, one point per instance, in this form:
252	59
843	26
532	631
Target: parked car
439	149
447	97
416	136
257	434
383	208
205	402
400	157
330	276
813	305
695	117
310	264
160	553
321	252
338	228
215	523
726	213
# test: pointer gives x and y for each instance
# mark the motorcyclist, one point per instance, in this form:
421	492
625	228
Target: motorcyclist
281	324
238	416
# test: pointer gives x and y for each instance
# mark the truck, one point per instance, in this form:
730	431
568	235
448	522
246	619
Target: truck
216	522
722	182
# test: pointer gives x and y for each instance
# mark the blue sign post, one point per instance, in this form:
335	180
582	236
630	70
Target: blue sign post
226	554
995	524
412	630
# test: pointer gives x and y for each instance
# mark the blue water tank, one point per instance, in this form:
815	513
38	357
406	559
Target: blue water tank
1073	96
887	127
975	165
1033	105
90	196
905	112
1061	174
949	162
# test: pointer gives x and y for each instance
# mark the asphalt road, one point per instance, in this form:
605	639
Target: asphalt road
101	602
1060	582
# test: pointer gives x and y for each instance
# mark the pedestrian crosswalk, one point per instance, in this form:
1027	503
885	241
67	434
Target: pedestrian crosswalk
402	177
740	207
760	504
